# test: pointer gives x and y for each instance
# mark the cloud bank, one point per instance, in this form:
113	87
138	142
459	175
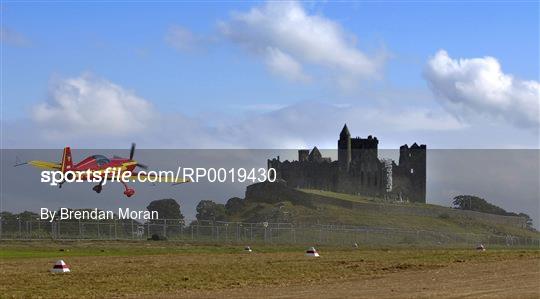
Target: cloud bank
469	87
93	111
287	37
92	106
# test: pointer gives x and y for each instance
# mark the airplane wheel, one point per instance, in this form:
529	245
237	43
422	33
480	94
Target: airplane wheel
129	192
97	188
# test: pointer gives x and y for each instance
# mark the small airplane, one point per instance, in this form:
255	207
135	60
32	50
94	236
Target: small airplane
98	164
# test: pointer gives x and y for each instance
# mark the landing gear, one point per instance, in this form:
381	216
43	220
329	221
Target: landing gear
98	188
128	192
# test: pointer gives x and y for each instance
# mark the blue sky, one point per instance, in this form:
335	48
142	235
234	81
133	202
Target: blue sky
205	68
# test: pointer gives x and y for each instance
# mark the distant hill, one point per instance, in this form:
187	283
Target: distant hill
274	202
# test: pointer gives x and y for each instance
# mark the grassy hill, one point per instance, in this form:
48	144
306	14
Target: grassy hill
302	206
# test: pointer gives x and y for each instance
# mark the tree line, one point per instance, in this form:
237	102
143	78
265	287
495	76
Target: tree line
475	203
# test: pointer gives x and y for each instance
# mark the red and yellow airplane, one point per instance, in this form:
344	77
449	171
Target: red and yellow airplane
106	168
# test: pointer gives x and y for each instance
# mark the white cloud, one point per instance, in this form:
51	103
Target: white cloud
283	64
290	31
182	39
260	107
313	123
94	107
13	38
478	86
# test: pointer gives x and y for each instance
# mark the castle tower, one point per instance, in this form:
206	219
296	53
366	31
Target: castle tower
315	155
412	161
417	162
344	149
303	155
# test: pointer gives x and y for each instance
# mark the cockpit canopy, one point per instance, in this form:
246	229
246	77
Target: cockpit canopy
101	160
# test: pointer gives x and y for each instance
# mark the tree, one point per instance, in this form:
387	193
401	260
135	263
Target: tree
28	216
209	210
475	203
166	208
528	220
7	215
234	205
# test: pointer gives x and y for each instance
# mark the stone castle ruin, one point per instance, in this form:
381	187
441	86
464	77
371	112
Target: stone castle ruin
358	170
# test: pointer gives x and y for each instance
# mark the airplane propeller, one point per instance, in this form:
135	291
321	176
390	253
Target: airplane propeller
132	153
141	166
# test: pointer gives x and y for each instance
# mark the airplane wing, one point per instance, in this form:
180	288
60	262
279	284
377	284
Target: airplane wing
43	164
164	179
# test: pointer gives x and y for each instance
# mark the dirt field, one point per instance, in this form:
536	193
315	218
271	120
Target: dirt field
156	269
499	279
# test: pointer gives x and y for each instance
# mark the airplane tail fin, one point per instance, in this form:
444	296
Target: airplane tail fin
67	162
18	162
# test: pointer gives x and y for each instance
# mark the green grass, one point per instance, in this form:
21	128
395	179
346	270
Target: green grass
49	249
375	213
342	196
403	220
